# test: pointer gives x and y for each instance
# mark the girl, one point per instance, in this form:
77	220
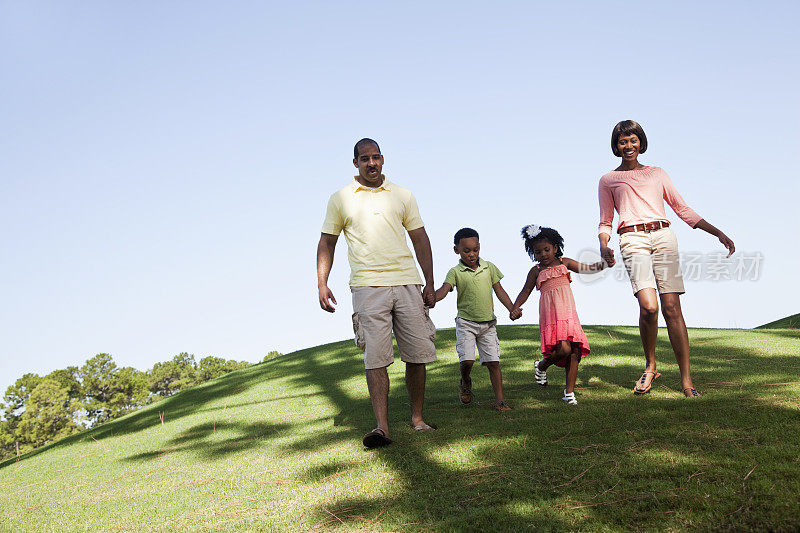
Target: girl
563	340
648	246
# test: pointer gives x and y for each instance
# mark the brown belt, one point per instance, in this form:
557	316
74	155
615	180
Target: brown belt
647	226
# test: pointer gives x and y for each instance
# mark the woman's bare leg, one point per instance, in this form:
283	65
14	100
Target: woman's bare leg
678	336
648	325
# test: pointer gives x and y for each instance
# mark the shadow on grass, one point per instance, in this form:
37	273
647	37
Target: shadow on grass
614	462
190	401
203	440
724	461
672	468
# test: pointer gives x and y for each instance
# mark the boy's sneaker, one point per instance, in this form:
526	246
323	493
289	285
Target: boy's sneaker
540	375
464	393
501	406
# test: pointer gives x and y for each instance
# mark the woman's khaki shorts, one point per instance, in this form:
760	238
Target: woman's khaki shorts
652	260
377	311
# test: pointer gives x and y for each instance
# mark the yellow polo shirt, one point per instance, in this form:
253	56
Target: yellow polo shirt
375	222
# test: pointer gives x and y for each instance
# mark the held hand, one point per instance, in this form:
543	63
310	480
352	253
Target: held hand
727	243
325	294
608	255
429	295
515	313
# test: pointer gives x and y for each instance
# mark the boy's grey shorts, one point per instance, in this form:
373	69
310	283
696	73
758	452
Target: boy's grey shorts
377	311
470	334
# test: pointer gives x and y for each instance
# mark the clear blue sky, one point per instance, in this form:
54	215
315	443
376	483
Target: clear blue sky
166	165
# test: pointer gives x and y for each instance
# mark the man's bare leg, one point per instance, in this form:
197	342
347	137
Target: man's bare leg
378	385
415	383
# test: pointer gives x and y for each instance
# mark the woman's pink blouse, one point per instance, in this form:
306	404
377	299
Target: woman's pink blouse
638	196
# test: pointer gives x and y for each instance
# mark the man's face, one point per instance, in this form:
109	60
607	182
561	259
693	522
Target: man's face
369	164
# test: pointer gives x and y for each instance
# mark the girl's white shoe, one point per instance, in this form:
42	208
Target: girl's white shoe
539	375
569	397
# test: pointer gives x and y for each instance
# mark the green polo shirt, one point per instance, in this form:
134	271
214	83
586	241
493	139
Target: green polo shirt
475	297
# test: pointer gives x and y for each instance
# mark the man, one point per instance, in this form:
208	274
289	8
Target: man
385	284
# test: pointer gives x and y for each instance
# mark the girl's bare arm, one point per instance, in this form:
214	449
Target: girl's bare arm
530	283
582	268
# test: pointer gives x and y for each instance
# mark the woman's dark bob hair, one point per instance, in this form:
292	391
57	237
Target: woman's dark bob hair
628	127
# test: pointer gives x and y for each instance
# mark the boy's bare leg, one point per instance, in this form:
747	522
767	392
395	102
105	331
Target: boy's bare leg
415	383
378	386
572	371
466	369
496	377
465	385
678	336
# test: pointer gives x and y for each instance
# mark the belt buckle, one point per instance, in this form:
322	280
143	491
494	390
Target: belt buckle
650	226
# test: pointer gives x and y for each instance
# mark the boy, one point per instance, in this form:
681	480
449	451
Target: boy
474	279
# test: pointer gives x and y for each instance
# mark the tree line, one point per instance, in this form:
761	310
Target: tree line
38	410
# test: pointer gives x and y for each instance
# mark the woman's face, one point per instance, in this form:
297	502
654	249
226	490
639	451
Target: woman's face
628	146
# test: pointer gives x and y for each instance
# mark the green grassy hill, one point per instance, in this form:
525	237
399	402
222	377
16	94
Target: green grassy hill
789	322
276	447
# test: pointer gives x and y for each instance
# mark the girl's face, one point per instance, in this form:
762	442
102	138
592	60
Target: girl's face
628	147
544	253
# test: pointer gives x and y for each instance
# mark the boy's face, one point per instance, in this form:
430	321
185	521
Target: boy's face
369	164
469	248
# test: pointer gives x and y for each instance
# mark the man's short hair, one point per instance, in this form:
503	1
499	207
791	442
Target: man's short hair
363	142
628	127
464	233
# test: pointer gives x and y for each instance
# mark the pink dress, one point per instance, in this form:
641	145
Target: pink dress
558	318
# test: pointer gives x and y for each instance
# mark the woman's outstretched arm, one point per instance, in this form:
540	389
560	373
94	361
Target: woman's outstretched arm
716	232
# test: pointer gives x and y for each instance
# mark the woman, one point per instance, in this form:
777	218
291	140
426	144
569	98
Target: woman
648	246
